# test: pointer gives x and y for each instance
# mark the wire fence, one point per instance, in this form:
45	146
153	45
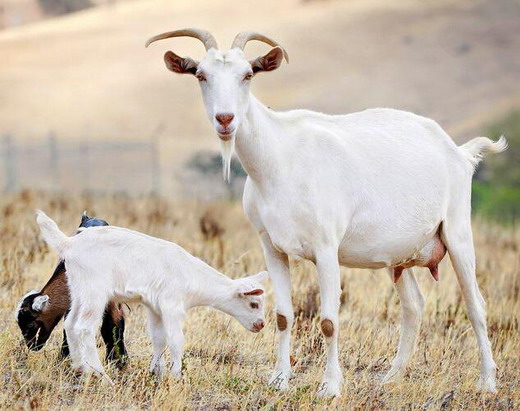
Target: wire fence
131	167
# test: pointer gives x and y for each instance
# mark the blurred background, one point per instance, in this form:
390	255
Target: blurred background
84	107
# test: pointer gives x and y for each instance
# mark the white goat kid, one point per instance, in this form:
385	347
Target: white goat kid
378	188
115	264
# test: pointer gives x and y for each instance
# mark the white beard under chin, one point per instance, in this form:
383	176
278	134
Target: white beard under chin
227	148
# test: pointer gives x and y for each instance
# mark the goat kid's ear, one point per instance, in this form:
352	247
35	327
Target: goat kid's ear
84	218
181	65
268	62
256	291
40	303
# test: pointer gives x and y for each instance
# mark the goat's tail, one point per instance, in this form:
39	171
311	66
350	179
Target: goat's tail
475	149
52	235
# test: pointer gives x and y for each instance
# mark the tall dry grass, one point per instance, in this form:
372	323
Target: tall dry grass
225	366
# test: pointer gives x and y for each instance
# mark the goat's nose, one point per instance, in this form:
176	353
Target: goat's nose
224	118
258	325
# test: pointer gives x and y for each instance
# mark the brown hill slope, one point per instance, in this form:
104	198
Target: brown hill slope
88	75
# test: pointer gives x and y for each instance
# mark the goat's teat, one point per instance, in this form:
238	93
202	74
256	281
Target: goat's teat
430	256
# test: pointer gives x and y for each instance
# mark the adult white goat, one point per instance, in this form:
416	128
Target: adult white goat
378	188
114	264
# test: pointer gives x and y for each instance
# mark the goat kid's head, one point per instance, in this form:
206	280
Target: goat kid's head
34	324
38	313
224	78
247	302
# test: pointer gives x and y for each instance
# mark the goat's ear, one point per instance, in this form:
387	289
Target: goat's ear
181	65
84	218
256	291
40	303
268	62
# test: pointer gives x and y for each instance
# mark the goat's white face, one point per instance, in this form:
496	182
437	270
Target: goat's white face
246	303
225	80
248	309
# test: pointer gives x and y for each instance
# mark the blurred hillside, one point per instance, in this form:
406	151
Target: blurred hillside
18	12
87	76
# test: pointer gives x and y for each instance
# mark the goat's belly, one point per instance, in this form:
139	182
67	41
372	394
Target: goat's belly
356	258
423	251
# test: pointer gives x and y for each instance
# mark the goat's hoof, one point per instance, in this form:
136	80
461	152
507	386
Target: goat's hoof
329	389
393	376
280	380
487	384
157	372
107	380
119	362
176	375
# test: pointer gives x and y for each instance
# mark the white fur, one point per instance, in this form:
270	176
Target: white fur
111	263
367	189
40	303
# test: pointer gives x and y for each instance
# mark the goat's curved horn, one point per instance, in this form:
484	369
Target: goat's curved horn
203	35
243	37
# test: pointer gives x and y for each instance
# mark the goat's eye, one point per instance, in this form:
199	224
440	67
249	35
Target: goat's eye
200	77
254	306
248	76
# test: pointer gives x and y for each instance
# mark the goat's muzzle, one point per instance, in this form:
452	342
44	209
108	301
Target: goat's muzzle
257	326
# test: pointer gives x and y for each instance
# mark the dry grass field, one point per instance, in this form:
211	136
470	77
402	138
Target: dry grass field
226	367
87	76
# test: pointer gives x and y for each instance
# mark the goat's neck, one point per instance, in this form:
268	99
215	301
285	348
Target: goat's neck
58	291
209	287
258	140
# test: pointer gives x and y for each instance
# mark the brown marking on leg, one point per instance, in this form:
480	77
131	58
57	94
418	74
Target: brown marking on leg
397	273
281	322
327	327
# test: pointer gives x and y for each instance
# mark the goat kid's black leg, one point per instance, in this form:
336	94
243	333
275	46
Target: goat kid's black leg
64	352
112	331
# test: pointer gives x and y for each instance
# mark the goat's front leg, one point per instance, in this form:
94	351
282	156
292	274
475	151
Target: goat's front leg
64	351
330	291
412	304
278	268
173	326
158	338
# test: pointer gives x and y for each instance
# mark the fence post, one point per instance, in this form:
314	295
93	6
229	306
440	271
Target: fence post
10	164
53	161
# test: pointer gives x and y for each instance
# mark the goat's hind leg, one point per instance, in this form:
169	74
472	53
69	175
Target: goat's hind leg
412	305
459	241
70	339
88	322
